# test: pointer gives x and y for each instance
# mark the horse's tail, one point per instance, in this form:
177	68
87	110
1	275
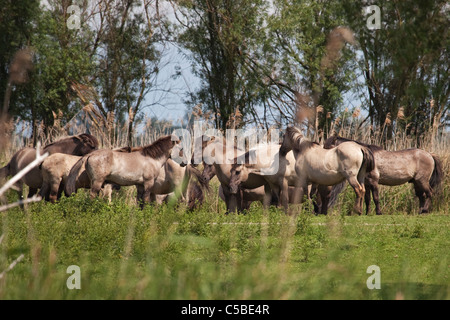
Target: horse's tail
368	159
335	191
71	184
438	173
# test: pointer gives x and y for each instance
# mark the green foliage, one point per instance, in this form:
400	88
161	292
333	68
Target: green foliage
404	62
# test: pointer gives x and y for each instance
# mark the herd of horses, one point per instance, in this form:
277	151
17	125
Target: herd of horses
273	174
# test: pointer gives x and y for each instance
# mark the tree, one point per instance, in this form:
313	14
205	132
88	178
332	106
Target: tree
312	55
221	35
404	63
17	20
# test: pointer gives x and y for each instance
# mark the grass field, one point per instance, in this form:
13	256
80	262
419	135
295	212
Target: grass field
164	252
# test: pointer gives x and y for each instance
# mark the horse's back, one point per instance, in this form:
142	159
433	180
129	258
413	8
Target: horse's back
399	167
58	164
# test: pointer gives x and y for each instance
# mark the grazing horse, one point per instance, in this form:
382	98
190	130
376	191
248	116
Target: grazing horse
248	195
258	194
140	168
75	145
393	168
327	167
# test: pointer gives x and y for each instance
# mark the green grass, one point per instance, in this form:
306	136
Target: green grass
164	252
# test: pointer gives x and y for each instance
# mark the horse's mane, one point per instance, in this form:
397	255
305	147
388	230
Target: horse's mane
128	149
334	140
158	148
297	141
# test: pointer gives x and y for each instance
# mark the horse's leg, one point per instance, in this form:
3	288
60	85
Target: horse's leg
325	194
140	194
316	198
371	184
359	191
376	199
267	196
146	197
107	192
44	192
423	192
367	196
284	195
54	191
32	192
301	187
96	186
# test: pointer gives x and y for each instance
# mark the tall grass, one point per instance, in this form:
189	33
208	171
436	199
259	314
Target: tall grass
166	252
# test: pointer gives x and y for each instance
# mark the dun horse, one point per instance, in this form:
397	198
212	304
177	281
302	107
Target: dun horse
215	152
139	168
393	168
317	165
75	145
247	195
279	173
56	170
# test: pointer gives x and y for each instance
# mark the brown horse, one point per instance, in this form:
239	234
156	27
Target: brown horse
316	165
393	168
75	145
140	168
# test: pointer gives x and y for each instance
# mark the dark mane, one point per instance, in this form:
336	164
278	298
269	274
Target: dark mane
335	140
128	149
158	148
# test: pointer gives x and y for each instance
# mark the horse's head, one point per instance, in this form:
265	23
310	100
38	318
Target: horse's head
87	143
238	174
176	151
209	172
